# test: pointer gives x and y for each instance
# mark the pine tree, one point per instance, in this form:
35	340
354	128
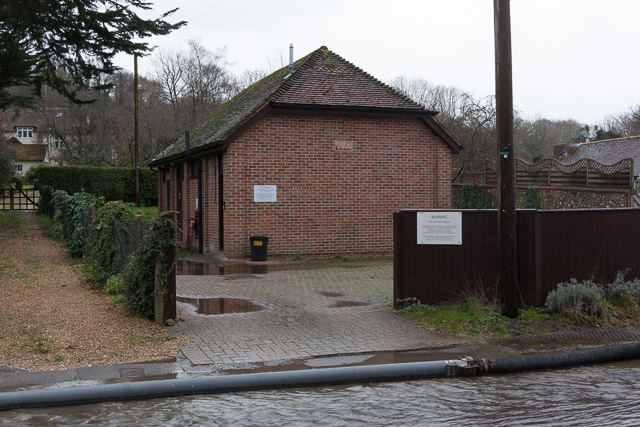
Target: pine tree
69	45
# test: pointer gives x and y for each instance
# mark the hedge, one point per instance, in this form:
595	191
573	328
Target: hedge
110	183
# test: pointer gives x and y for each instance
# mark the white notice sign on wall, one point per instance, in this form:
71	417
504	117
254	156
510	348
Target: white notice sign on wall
265	193
439	228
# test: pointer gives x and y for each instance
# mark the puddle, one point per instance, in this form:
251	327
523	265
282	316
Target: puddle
212	306
195	268
332	294
349	304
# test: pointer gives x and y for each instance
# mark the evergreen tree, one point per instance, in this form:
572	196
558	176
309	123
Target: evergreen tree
69	44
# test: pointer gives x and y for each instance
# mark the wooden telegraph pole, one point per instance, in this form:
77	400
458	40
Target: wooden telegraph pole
507	256
135	120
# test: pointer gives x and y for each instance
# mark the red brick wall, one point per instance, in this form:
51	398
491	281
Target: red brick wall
329	200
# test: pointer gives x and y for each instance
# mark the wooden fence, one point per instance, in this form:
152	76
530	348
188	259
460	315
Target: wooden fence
553	246
585	173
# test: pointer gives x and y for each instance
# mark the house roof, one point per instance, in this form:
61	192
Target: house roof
321	80
26	152
27	119
609	151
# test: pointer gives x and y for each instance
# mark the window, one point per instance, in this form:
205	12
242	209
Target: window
25	132
57	142
19	168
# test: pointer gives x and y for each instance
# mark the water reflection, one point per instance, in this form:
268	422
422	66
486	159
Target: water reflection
210	306
601	395
195	268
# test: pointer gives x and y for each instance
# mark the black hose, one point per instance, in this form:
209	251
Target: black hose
310	378
223	384
606	354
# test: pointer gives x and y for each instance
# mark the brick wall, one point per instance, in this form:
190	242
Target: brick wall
338	178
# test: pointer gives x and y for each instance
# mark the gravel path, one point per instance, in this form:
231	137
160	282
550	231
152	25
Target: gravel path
50	318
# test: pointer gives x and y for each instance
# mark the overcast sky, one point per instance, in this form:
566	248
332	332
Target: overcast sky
575	59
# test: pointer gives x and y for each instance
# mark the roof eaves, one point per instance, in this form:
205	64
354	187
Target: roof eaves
443	133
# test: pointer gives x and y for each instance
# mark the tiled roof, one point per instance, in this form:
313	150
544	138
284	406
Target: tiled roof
609	151
321	78
27	119
27	152
328	79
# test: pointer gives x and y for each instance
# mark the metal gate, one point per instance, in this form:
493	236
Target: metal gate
12	199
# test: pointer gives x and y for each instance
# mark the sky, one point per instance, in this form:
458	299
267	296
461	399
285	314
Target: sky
572	59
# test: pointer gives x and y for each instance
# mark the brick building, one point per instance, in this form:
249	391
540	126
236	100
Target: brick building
316	157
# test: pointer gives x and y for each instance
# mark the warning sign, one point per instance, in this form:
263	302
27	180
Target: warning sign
439	228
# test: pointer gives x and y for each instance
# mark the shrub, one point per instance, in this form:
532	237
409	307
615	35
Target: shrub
114	285
74	235
585	297
622	291
16	182
102	250
46	196
139	275
110	183
531	199
56	227
476	197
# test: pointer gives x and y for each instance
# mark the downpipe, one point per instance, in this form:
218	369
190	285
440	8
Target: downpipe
310	378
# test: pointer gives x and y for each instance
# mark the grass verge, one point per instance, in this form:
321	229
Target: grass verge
471	318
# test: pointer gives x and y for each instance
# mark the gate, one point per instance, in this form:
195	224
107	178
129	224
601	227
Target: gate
12	199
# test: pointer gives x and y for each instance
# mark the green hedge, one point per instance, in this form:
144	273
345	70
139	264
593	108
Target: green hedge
477	197
110	183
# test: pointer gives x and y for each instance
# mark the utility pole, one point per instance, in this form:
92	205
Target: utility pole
507	255
135	120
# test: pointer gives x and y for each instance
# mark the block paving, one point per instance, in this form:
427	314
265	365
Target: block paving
341	308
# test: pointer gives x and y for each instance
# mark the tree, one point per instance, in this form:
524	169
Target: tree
38	40
625	124
586	134
7	170
471	120
194	82
535	140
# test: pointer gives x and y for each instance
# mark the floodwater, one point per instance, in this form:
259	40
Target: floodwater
596	395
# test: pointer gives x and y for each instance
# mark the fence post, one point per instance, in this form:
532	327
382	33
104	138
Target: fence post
165	303
11	198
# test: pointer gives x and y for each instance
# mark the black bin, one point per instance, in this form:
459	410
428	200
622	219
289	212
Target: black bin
258	248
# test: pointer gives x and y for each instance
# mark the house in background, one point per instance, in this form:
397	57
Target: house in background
33	141
317	157
25	155
607	152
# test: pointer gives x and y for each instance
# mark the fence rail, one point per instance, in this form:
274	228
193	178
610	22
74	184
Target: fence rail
553	247
586	173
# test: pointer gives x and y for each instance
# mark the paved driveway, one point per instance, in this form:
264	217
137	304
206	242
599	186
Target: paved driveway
341	308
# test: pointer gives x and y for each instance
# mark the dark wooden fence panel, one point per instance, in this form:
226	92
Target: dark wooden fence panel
585	244
553	247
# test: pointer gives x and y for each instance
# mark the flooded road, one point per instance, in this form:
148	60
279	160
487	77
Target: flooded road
596	395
